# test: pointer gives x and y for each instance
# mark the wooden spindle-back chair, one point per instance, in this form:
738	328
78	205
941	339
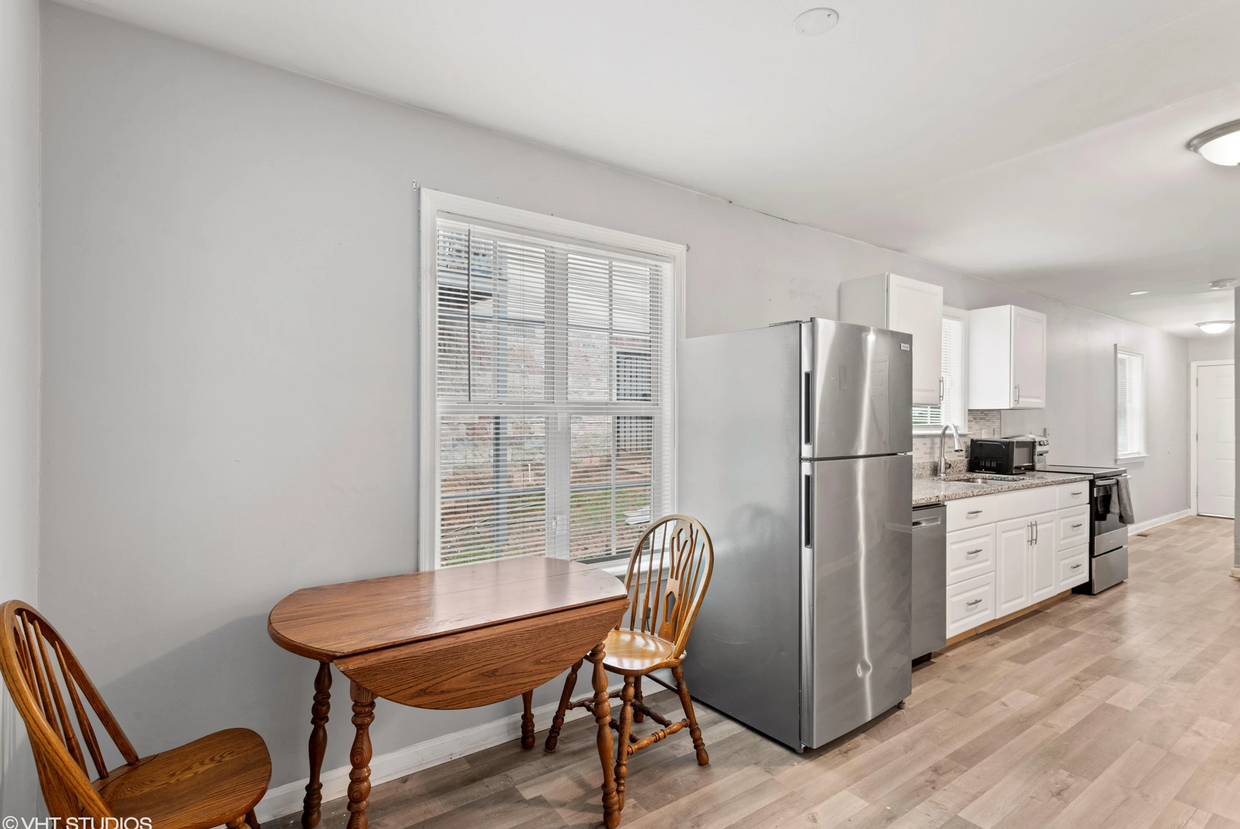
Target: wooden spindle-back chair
217	780
669	571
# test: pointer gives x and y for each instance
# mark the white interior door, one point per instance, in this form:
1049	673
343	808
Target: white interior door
1216	440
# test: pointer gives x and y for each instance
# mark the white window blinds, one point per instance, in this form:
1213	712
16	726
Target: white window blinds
1130	403
553	371
952	409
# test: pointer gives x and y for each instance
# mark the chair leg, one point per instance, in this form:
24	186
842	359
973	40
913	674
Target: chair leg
638	716
251	820
622	741
557	722
238	823
696	733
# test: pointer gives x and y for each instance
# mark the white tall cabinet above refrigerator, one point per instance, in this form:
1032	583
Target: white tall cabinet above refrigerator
1007	358
897	303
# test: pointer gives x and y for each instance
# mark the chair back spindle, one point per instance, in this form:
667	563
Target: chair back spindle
35	662
668	573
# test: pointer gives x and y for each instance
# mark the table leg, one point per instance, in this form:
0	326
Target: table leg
527	720
359	755
602	716
318	745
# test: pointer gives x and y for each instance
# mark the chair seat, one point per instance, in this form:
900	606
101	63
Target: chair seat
197	786
634	652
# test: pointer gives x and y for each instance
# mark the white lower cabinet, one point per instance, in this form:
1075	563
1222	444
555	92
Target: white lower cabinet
1007	551
970	553
1013	539
1043	573
970	603
1073	567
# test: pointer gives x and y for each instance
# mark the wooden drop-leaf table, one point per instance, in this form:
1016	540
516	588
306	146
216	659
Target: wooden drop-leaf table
459	637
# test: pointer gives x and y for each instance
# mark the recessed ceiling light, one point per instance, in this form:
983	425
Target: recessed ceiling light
1222	284
1219	145
816	21
1215	326
1137	293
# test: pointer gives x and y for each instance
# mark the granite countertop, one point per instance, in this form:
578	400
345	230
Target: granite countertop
933	491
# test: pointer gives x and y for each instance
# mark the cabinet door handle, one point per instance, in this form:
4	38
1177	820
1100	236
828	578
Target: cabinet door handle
974	512
1037	532
941	393
975	601
973	552
1018	393
1075	567
1077	526
1078	492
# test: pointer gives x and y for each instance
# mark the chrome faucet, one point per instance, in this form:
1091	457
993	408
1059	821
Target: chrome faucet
943	447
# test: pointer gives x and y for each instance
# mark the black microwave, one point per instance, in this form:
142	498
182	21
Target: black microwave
1003	456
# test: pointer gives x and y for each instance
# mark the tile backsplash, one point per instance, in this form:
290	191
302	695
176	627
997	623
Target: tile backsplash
983	423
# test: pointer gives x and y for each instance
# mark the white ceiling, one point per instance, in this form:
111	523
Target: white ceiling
1039	144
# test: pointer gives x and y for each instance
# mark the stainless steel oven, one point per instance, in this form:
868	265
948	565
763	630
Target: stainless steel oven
1108	543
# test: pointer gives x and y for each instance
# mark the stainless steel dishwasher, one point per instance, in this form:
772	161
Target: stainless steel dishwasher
929	631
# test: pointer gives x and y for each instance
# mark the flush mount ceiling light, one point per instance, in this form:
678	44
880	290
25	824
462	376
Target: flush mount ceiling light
1220	145
1222	284
1215	326
1137	293
816	21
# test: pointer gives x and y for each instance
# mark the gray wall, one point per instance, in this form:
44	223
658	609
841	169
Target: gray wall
231	356
19	354
1219	347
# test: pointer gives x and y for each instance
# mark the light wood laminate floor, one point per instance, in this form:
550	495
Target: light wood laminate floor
1121	710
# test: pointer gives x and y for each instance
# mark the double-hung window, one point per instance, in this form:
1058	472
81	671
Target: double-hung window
548	354
1129	403
954	408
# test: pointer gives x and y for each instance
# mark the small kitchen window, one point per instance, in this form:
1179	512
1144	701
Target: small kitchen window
548	359
1129	404
931	419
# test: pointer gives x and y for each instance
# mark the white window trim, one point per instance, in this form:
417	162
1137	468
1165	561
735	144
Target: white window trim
1145	407
431	203
963	317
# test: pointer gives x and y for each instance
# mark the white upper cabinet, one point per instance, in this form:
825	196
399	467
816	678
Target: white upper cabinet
1007	358
900	304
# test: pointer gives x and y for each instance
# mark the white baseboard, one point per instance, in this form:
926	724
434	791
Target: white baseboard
287	799
1158	522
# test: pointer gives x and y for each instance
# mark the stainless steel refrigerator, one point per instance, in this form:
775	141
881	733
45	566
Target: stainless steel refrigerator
793	448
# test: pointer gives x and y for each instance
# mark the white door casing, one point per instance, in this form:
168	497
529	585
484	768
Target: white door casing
1215	443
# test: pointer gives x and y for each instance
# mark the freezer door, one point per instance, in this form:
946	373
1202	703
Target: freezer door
857	583
858	394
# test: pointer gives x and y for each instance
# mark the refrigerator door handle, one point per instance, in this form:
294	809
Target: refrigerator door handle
807	509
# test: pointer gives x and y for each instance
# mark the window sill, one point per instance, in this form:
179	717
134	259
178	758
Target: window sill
618	568
1134	456
933	431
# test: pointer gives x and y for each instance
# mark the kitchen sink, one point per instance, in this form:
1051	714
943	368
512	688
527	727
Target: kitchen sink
982	479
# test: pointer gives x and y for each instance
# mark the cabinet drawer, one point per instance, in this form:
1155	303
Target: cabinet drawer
965	513
970	604
1073	567
1073	527
1025	502
1073	495
970	553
